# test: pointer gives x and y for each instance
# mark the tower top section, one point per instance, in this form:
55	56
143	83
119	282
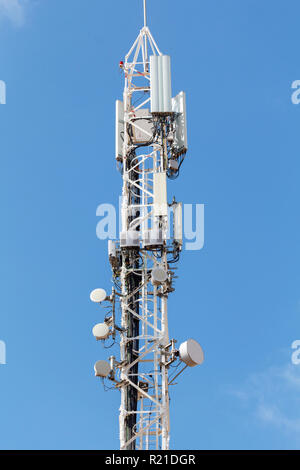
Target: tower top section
138	55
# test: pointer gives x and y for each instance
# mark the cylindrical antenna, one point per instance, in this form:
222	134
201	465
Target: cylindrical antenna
145	13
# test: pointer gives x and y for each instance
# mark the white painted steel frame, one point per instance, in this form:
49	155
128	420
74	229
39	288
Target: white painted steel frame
153	425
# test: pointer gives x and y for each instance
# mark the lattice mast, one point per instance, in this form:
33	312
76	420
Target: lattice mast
151	144
144	412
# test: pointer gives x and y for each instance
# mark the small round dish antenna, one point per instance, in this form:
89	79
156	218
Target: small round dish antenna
98	295
191	353
158	276
102	369
101	331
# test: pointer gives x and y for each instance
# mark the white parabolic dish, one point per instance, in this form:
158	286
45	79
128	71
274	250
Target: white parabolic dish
158	276
98	295
102	368
191	353
101	331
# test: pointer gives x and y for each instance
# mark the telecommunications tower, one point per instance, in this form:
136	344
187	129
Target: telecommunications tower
151	143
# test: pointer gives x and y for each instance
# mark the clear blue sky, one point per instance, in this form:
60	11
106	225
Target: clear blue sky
239	296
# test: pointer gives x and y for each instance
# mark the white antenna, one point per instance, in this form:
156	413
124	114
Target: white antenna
145	14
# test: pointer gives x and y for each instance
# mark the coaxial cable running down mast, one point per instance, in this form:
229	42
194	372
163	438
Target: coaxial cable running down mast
151	143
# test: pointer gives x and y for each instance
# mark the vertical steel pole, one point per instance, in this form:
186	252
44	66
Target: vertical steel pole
145	14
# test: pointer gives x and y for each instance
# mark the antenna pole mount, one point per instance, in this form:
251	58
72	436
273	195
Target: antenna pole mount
145	13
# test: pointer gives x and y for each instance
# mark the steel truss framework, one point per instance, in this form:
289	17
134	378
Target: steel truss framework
150	379
145	349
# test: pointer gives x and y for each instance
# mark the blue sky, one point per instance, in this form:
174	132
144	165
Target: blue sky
239	296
